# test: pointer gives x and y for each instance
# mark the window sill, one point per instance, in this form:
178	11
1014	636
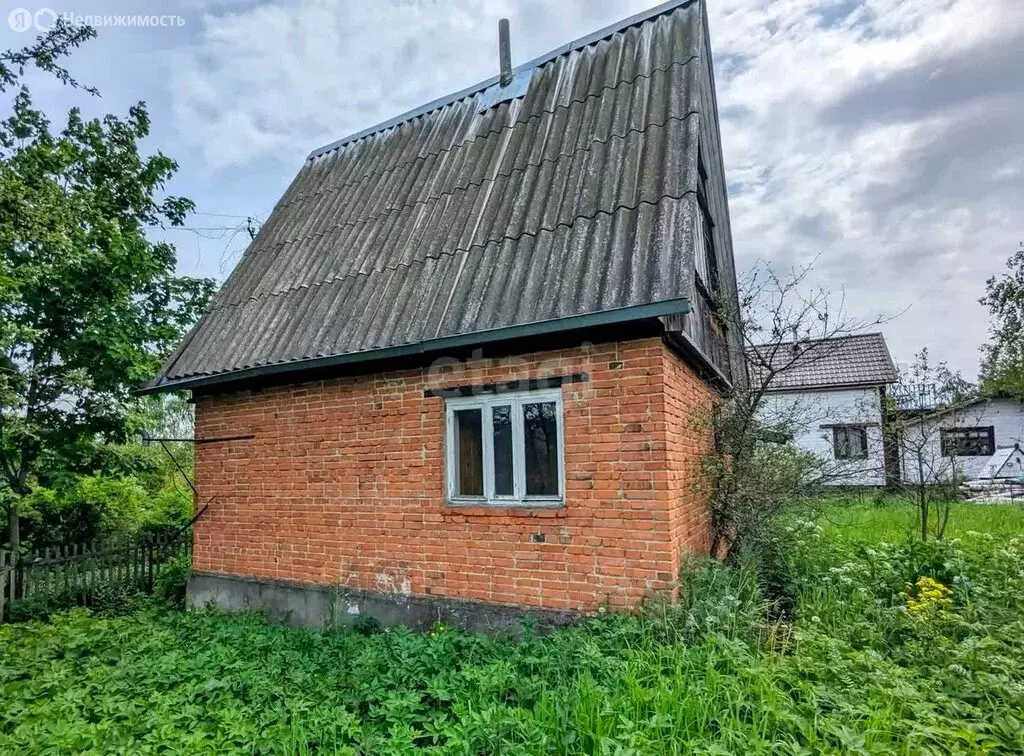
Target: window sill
516	508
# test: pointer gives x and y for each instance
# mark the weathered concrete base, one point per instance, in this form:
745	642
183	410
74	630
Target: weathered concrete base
323	607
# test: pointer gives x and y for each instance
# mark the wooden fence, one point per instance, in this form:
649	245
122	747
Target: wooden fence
77	571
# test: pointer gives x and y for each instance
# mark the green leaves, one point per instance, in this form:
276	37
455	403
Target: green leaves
45	53
853	672
1002	370
89	305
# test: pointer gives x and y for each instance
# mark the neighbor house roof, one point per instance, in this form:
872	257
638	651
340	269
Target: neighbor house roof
1007	462
567	203
861	360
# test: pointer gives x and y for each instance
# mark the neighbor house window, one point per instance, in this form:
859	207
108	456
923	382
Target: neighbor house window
850	441
968	442
505	449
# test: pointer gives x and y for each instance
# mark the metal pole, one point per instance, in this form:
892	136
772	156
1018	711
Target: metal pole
504	52
180	470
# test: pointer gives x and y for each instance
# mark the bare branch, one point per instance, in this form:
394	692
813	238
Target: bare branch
756	471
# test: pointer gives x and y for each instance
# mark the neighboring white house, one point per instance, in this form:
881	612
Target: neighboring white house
961	443
833	390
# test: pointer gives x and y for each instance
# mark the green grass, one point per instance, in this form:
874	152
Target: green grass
894	518
869	663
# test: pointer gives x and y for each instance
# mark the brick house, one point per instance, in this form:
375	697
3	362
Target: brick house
468	350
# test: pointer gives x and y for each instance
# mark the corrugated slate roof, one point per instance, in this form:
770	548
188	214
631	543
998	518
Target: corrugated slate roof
575	199
845	361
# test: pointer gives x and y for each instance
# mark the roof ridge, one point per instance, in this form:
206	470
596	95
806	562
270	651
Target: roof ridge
448	253
570	47
844	337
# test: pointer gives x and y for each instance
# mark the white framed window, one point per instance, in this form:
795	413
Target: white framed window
505	449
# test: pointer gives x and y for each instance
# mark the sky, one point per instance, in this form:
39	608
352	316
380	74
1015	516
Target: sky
882	140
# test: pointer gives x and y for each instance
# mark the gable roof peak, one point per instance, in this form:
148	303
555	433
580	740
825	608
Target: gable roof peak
571	206
520	72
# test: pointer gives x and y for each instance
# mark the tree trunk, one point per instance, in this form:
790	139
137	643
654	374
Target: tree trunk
14	527
891	445
922	508
922	499
943	519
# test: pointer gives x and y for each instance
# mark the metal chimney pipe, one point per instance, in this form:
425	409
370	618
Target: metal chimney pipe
504	52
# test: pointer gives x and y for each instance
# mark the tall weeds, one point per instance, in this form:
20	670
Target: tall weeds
866	661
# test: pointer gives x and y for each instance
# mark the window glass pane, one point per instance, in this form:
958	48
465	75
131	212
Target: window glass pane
862	441
540	441
469	453
968	442
850	442
700	257
840	443
501	419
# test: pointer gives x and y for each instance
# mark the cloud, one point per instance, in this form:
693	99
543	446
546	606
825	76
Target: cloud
286	77
881	137
989	69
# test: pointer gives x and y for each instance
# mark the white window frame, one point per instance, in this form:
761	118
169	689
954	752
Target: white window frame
486	405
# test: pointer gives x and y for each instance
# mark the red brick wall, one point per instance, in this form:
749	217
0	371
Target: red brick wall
688	430
344	484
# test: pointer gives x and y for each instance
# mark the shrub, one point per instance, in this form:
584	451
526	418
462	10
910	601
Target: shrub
119	503
99	507
172	580
37	607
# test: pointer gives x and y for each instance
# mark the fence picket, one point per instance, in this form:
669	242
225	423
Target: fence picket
69	570
4	562
78	570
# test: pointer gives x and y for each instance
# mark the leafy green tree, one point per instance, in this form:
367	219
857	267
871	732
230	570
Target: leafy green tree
88	304
1002	368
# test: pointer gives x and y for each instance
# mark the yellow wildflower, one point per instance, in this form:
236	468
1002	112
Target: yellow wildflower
932	596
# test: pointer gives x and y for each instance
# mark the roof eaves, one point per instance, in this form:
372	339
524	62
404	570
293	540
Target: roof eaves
685	346
919	415
539	328
569	47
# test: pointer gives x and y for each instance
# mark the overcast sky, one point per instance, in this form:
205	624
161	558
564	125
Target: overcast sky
884	137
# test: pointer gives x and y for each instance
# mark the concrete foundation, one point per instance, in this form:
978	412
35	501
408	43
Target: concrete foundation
323	607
